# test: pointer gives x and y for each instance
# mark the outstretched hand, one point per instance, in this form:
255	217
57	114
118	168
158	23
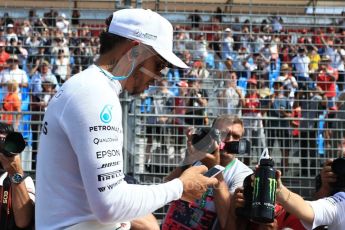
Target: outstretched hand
327	175
11	164
195	183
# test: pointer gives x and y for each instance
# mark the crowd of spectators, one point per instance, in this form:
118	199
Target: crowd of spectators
286	84
280	79
284	81
37	55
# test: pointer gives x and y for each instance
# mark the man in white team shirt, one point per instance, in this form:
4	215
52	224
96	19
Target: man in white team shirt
80	163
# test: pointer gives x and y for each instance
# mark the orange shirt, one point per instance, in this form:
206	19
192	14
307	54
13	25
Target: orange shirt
11	103
3	59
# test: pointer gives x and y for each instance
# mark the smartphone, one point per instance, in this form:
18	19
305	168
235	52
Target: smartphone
214	171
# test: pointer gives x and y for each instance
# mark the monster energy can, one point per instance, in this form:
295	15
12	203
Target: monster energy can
264	193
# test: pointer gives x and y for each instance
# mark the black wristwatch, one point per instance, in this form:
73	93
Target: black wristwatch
17	178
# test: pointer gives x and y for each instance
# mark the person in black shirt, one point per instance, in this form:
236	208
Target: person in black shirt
195	18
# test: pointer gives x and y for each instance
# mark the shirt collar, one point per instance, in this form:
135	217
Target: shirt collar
116	83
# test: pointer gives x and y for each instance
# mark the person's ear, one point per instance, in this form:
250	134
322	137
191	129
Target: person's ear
135	50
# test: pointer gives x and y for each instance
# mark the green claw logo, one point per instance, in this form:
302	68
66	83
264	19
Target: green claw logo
272	184
256	186
273	187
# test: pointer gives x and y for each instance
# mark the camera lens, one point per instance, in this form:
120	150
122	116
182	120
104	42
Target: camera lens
338	166
14	143
203	139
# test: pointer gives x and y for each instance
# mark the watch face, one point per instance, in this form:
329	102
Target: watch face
17	178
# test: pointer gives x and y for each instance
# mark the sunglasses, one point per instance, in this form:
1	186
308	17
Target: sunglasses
160	63
227	134
150	74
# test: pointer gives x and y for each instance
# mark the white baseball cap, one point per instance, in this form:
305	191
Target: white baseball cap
149	28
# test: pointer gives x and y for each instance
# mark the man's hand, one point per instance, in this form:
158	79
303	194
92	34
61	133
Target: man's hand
327	177
279	181
238	198
212	159
162	120
195	183
11	165
192	154
269	226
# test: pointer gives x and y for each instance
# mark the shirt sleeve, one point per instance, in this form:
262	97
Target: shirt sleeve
92	122
342	52
293	61
30	187
325	212
239	174
293	80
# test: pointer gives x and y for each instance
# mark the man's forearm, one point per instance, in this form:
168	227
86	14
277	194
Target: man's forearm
23	85
23	206
222	200
202	101
148	222
174	174
295	204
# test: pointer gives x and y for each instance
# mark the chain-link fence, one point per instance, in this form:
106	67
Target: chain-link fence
279	65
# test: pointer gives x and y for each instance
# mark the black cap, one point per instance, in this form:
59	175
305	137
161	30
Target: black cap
301	50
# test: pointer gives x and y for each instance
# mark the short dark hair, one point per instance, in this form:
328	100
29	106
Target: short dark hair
109	40
5	128
233	119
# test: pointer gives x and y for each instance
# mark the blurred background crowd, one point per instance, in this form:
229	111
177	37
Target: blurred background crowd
283	76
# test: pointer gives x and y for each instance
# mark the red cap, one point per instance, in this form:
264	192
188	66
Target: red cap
333	108
182	84
197	64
